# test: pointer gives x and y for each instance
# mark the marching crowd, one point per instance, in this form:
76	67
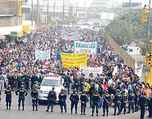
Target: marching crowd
117	86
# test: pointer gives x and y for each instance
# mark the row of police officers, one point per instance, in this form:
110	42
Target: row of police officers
120	101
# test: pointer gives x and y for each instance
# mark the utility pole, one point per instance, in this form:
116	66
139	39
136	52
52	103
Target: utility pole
48	4
54	8
149	22
38	12
148	77
63	10
32	9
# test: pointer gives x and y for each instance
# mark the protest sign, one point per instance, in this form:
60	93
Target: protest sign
42	55
71	60
81	47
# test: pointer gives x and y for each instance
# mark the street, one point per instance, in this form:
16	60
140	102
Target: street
41	113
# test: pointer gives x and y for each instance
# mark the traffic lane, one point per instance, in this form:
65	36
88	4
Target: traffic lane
41	113
28	114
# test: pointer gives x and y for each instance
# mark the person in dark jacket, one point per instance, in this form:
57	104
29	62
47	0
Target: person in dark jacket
117	102
124	101
21	99
142	103
95	103
34	95
131	102
8	93
62	101
67	82
74	98
84	100
106	102
150	106
51	100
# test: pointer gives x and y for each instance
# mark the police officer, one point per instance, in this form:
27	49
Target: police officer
62	101
142	103
117	102
124	101
51	100
95	103
76	85
106	102
150	106
131	101
34	95
67	82
8	93
136	101
21	99
84	100
74	98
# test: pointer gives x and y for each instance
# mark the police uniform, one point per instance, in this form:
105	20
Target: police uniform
74	98
8	100
51	100
131	102
84	100
117	102
142	102
62	101
95	103
124	101
150	106
21	99
34	95
136	102
106	102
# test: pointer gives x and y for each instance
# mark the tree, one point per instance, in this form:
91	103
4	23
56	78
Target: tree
128	27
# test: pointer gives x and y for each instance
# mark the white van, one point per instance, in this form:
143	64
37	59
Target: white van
50	81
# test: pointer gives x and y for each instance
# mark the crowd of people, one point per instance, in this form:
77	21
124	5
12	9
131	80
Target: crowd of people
117	86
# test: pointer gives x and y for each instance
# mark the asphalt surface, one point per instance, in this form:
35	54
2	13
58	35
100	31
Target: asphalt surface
42	114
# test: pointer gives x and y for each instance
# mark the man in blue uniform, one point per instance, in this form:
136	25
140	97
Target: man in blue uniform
51	100
117	102
95	103
21	99
142	103
131	101
106	102
62	101
34	95
84	100
8	93
74	98
124	101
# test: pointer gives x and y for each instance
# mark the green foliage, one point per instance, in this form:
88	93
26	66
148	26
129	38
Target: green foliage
128	27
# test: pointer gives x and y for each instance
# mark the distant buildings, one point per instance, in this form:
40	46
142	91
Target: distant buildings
8	12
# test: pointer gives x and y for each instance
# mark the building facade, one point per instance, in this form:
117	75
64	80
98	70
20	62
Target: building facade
8	12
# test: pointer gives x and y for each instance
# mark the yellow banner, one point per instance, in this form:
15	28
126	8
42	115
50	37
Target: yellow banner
71	60
148	77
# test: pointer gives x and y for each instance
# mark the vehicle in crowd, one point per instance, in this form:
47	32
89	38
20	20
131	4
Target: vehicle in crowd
50	81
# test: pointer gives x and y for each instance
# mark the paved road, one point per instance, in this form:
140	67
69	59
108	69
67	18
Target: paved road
41	114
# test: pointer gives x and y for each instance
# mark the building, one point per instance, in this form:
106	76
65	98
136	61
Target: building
104	10
44	10
132	4
104	5
8	12
135	4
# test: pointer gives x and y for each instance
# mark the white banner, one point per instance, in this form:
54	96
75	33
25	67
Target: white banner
93	70
81	47
42	55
